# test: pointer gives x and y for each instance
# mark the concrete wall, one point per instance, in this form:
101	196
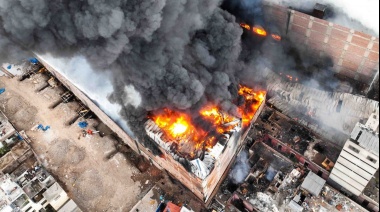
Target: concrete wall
355	54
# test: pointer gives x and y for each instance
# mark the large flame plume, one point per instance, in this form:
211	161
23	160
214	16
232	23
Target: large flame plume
252	103
180	126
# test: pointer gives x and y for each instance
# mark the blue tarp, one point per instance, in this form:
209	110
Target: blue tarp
160	207
2	90
9	67
41	127
19	137
83	124
33	60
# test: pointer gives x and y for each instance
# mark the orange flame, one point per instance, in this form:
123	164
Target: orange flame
245	26
219	120
253	100
179	126
276	37
260	31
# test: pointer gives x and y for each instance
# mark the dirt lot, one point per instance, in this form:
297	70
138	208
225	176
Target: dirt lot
95	174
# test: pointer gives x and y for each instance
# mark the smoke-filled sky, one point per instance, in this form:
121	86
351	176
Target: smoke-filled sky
174	53
362	15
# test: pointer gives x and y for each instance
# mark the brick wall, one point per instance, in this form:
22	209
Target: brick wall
278	17
355	54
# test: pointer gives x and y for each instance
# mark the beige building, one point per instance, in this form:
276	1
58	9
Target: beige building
359	159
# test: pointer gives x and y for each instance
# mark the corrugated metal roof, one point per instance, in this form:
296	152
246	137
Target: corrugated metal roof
295	207
313	184
370	142
368	139
355	132
293	98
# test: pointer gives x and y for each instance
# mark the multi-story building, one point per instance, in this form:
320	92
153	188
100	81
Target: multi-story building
359	159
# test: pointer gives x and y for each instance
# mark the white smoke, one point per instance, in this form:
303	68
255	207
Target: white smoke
241	168
132	96
366	12
96	85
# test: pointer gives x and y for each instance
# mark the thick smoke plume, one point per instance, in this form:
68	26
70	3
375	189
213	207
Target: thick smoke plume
164	53
285	58
177	54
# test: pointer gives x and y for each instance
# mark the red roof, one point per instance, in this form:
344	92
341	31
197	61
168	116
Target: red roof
170	207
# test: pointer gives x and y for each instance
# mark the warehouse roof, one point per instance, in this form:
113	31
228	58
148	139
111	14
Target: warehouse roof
366	138
313	184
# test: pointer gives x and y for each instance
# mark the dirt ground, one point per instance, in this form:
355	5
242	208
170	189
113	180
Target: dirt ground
96	176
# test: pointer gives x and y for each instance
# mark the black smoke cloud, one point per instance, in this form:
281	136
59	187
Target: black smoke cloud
286	58
176	53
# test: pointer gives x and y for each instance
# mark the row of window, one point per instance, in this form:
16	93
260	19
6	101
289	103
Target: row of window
358	151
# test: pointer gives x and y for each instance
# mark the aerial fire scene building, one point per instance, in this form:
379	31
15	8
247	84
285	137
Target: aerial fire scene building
199	158
284	121
209	154
200	155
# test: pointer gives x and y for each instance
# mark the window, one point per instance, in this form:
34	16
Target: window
353	149
365	203
57	197
278	185
339	107
360	134
371	159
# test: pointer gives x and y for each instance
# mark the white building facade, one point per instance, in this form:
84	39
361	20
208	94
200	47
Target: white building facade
359	159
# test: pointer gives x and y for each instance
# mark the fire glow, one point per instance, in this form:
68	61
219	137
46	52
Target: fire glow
253	101
276	37
180	127
245	26
290	77
260	31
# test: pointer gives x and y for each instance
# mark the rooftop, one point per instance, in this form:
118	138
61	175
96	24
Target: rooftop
313	184
366	138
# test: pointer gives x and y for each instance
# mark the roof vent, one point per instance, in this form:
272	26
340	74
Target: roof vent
319	11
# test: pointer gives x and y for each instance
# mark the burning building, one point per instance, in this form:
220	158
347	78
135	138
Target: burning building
177	55
197	148
203	152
